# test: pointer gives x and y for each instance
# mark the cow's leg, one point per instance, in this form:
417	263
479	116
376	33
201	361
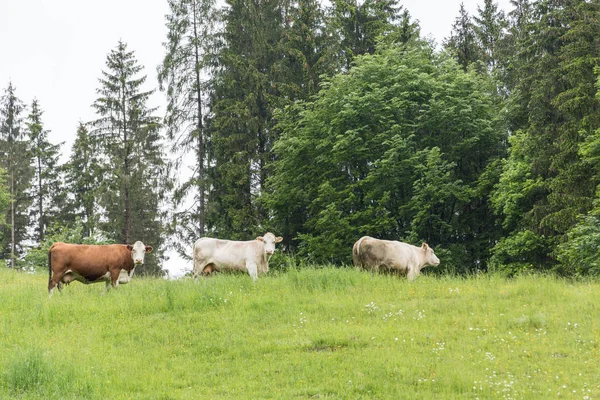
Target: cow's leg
114	277
252	270
413	272
198	267
208	270
54	282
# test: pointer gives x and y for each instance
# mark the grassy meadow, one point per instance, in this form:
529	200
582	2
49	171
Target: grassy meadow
310	333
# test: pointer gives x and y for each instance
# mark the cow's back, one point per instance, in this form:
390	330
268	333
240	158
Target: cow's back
224	254
374	253
83	258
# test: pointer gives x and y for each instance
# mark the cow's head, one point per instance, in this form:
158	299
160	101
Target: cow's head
138	251
430	257
269	241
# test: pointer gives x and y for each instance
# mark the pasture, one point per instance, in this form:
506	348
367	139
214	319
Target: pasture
310	333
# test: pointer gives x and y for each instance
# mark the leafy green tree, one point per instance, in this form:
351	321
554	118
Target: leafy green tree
46	175
462	43
130	146
37	258
390	151
83	173
546	185
15	159
184	75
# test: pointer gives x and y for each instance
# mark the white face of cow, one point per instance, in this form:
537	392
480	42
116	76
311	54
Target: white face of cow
430	257
269	241
138	251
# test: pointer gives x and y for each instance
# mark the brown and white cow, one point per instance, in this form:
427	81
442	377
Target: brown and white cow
373	254
86	263
229	255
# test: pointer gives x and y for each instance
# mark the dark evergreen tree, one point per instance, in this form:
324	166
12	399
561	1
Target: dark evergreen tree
307	51
4	203
47	180
135	175
462	43
244	95
83	176
183	74
546	184
361	25
489	25
16	160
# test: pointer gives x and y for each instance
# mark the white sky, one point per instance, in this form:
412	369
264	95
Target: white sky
55	51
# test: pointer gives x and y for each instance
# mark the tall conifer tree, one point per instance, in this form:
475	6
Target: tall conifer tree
546	184
244	95
83	176
462	43
134	171
183	74
46	186
15	159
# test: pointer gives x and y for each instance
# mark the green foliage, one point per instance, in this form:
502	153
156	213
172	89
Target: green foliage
38	257
136	178
4	198
83	174
522	252
547	184
579	254
189	55
15	158
394	149
46	190
462	43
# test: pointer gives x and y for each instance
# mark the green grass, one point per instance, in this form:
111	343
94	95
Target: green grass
312	333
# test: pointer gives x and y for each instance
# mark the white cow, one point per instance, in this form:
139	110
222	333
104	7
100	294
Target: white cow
371	254
229	255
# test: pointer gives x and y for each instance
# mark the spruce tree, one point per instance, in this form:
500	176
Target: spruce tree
83	177
183	74
244	95
546	184
15	159
133	166
47	179
462	43
361	25
489	24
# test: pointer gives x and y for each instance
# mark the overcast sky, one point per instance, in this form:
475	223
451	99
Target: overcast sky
56	50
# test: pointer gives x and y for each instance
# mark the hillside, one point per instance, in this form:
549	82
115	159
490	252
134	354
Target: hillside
313	333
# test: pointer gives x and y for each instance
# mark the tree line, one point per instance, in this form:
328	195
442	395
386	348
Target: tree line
325	123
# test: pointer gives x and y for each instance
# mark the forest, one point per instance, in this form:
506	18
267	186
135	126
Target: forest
324	123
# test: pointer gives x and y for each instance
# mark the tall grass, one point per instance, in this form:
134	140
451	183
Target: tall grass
303	333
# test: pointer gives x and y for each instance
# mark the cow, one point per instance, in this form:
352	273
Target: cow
229	255
372	254
86	263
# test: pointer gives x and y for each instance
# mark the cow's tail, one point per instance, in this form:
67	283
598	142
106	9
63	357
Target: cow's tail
356	252
49	266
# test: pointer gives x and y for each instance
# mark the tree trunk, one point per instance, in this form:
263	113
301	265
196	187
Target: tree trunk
200	129
40	202
12	218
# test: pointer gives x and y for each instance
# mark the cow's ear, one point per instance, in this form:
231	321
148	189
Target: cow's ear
148	249
278	239
424	246
260	239
129	247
